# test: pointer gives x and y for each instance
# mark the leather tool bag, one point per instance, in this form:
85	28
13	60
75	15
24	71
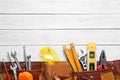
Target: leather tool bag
115	67
95	75
61	70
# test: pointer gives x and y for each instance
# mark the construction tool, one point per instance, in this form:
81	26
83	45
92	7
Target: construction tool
25	58
75	57
102	61
7	75
91	57
70	58
82	56
29	62
9	57
13	68
49	55
16	60
25	76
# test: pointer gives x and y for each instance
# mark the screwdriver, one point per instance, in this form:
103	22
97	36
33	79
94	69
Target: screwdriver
8	76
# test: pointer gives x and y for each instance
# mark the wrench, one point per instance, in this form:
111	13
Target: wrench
25	58
16	60
10	59
13	68
82	56
29	62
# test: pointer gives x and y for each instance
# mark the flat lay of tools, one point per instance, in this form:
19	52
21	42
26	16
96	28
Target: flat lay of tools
81	64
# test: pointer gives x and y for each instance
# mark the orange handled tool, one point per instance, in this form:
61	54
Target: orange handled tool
25	76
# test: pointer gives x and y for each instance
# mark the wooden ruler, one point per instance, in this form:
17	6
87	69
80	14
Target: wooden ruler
75	57
69	56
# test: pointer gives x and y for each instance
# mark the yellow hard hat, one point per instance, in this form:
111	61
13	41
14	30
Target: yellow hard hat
49	55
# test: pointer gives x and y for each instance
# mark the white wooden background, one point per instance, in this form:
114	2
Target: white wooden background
54	23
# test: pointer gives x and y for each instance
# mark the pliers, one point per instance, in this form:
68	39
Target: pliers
102	62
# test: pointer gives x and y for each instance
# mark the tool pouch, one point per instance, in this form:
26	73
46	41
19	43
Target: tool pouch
94	75
36	70
115	67
61	70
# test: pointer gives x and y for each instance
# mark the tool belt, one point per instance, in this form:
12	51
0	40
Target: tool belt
60	70
95	75
113	73
63	71
115	66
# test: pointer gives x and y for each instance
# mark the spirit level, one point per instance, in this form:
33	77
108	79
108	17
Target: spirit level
91	57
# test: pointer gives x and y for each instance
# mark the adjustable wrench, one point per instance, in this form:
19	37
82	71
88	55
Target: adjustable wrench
13	68
82	56
16	60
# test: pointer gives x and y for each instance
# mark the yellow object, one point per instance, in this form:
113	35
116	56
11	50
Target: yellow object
70	58
25	76
92	63
49	55
75	57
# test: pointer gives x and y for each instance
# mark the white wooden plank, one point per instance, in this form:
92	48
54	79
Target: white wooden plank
60	6
112	53
59	22
41	37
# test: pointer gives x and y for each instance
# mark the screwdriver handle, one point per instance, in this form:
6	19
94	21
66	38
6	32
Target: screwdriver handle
8	77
